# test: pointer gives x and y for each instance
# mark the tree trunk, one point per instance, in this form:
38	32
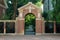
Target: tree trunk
15	8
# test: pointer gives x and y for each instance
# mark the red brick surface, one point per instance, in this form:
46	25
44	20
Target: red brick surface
20	26
38	26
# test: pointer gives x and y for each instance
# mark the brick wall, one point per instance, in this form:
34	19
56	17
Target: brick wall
1	11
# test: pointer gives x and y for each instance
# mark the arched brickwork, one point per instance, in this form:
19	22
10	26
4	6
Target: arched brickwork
29	8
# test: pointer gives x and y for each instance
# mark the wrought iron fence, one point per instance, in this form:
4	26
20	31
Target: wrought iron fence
9	26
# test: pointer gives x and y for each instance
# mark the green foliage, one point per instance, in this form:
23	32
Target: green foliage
11	10
39	3
45	15
29	19
58	17
55	13
23	2
56	5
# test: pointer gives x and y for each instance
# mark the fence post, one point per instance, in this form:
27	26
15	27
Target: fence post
4	27
54	27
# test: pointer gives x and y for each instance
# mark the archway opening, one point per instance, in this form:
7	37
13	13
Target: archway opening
30	24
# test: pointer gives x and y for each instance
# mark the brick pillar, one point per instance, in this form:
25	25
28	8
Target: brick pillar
38	27
54	27
20	27
43	27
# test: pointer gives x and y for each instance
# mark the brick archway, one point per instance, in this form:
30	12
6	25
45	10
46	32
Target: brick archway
29	8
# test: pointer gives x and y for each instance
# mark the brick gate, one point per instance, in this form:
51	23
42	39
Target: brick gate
20	20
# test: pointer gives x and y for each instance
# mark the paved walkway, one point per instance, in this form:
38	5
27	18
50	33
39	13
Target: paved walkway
29	37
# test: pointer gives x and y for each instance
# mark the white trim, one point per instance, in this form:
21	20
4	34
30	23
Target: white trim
39	15
54	32
5	3
2	6
19	33
38	18
30	8
9	34
21	18
7	20
38	33
20	15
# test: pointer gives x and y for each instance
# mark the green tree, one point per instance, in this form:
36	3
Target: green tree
56	12
29	19
13	5
23	2
9	11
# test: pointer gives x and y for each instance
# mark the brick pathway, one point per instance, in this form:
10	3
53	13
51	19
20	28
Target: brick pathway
29	37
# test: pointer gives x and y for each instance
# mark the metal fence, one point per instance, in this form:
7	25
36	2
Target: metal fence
9	26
